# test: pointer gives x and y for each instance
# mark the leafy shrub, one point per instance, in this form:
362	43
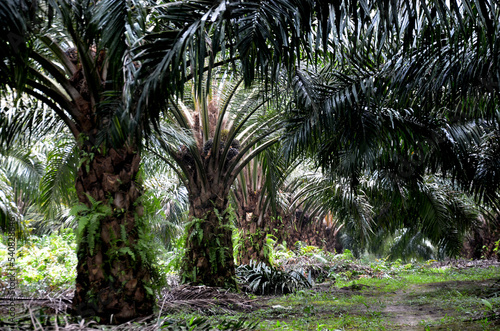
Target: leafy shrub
264	279
46	263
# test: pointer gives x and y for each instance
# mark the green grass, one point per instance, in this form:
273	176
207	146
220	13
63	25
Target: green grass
378	295
433	298
44	264
455	297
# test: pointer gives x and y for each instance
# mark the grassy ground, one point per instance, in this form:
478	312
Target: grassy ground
431	299
347	295
435	299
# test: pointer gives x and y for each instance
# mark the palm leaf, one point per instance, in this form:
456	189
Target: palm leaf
9	214
57	184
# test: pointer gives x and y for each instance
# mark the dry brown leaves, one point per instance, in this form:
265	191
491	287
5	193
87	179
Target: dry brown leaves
206	300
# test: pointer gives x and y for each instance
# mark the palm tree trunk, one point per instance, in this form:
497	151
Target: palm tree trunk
256	223
254	236
209	247
112	279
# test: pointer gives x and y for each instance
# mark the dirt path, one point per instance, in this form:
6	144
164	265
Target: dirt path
449	305
421	306
401	311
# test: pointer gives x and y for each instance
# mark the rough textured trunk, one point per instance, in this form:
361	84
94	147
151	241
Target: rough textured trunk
482	241
311	232
208	259
253	230
209	247
255	224
112	281
254	234
289	228
253	240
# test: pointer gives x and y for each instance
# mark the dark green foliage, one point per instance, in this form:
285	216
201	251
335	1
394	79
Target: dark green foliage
264	279
405	139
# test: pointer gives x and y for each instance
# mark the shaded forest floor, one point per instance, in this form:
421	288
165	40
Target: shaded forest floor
462	295
396	305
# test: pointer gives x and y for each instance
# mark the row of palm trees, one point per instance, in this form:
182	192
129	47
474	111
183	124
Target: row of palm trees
381	95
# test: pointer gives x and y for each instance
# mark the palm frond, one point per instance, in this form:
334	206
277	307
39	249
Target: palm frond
433	210
166	204
9	214
57	184
320	194
409	245
24	170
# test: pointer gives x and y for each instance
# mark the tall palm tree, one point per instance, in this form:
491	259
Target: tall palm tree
75	57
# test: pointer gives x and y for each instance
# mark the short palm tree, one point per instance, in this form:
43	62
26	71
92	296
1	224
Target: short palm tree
260	207
216	135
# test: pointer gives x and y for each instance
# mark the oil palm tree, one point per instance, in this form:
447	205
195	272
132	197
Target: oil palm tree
260	204
260	39
340	118
348	118
216	136
454	70
351	211
74	57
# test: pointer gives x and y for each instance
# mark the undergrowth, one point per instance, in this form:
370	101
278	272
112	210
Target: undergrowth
329	292
44	264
